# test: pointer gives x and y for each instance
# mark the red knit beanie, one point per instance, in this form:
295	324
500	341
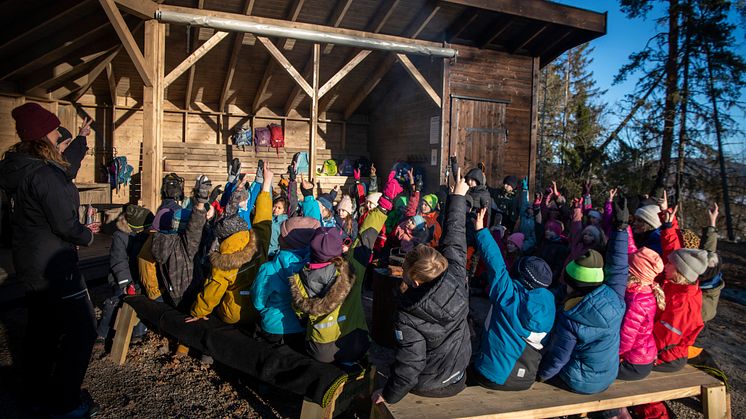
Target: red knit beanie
33	121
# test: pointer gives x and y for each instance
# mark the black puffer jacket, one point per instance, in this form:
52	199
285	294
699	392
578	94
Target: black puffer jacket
46	228
434	344
125	248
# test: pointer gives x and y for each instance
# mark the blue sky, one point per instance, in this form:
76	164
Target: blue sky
625	36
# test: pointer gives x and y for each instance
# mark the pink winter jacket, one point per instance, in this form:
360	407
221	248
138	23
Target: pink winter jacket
637	345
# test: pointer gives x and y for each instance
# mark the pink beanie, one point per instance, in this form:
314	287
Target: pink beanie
555	226
517	239
646	264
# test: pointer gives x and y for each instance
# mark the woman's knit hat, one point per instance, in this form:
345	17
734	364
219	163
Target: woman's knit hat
517	239
325	201
554	226
373	198
511	180
594	214
326	244
649	214
431	200
586	270
33	121
345	204
534	272
297	232
690	263
645	265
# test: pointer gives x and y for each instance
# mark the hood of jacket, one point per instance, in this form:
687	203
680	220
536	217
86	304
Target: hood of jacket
539	310
434	302
238	249
15	167
337	289
123	226
601	308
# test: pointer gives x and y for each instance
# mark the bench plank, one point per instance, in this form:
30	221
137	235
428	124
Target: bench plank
544	400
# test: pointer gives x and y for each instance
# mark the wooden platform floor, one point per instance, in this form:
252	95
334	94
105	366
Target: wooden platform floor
94	264
544	400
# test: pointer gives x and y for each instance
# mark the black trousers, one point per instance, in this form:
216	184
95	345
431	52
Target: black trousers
60	335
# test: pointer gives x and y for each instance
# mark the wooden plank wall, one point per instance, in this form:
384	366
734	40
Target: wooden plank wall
400	122
500	76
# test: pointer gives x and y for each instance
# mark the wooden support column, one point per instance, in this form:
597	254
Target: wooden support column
534	130
152	139
314	111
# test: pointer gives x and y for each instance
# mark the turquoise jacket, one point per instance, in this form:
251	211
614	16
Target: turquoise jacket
270	292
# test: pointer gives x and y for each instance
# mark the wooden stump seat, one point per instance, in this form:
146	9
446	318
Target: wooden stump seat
544	400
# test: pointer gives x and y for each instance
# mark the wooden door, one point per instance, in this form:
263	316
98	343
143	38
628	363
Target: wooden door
478	134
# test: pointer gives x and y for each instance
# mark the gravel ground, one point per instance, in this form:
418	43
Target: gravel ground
154	383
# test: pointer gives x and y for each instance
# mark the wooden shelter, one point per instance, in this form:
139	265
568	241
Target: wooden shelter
345	78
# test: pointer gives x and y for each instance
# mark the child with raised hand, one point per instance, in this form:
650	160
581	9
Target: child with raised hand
345	218
520	317
583	351
677	327
431	330
643	298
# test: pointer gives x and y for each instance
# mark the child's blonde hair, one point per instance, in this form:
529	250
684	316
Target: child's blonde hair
424	264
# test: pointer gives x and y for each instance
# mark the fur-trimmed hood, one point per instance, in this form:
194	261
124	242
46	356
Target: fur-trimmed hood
123	225
334	296
235	251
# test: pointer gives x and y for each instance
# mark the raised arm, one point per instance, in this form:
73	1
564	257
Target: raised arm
453	243
710	233
492	257
616	265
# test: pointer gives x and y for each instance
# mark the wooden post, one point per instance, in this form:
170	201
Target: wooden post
714	403
123	325
152	139
534	129
314	111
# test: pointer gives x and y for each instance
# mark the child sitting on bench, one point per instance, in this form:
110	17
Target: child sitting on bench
431	330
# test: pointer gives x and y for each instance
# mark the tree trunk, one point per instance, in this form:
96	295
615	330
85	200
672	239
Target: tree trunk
680	163
718	133
669	107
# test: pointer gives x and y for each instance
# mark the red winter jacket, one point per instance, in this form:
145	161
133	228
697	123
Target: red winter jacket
637	344
677	327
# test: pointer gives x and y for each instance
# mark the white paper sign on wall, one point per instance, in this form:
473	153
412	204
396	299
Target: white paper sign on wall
435	130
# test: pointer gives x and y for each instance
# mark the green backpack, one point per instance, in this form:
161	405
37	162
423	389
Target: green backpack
329	168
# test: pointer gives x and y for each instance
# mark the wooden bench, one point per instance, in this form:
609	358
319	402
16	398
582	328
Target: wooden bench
544	400
336	400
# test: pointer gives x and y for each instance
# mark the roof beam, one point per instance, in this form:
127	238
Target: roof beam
100	67
530	36
335	21
233	62
193	69
48	76
144	9
557	38
419	78
382	15
344	71
193	58
459	25
269	70
128	41
53	47
499	28
112	83
543	11
274	52
60	10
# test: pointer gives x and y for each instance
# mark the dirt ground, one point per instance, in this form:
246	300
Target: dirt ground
154	383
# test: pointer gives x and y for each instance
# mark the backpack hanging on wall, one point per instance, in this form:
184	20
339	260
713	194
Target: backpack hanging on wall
346	169
120	173
243	137
329	168
363	165
262	137
277	137
301	159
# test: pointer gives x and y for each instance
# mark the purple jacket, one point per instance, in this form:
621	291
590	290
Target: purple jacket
637	345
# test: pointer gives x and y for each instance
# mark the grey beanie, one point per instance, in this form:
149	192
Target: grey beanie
649	214
691	263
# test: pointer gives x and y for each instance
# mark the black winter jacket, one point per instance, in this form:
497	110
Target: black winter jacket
175	253
123	254
46	227
434	345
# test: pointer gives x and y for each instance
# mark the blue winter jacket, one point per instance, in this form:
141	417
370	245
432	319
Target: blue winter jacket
245	213
274	240
584	348
528	224
517	315
270	292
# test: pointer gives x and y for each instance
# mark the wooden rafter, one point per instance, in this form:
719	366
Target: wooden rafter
52	75
269	70
296	94
419	78
94	75
233	62
192	70
498	29
414	29
344	71
285	64
144	9
112	81
459	25
542	11
53	47
530	36
60	11
128	41
195	56
557	38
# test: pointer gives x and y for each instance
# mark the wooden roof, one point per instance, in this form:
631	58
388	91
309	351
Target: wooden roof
56	48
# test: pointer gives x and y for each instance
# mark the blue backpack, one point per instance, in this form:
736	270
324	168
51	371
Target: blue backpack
120	173
346	169
302	162
243	137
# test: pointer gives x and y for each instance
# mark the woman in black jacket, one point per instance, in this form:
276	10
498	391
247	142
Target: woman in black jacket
433	339
61	329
